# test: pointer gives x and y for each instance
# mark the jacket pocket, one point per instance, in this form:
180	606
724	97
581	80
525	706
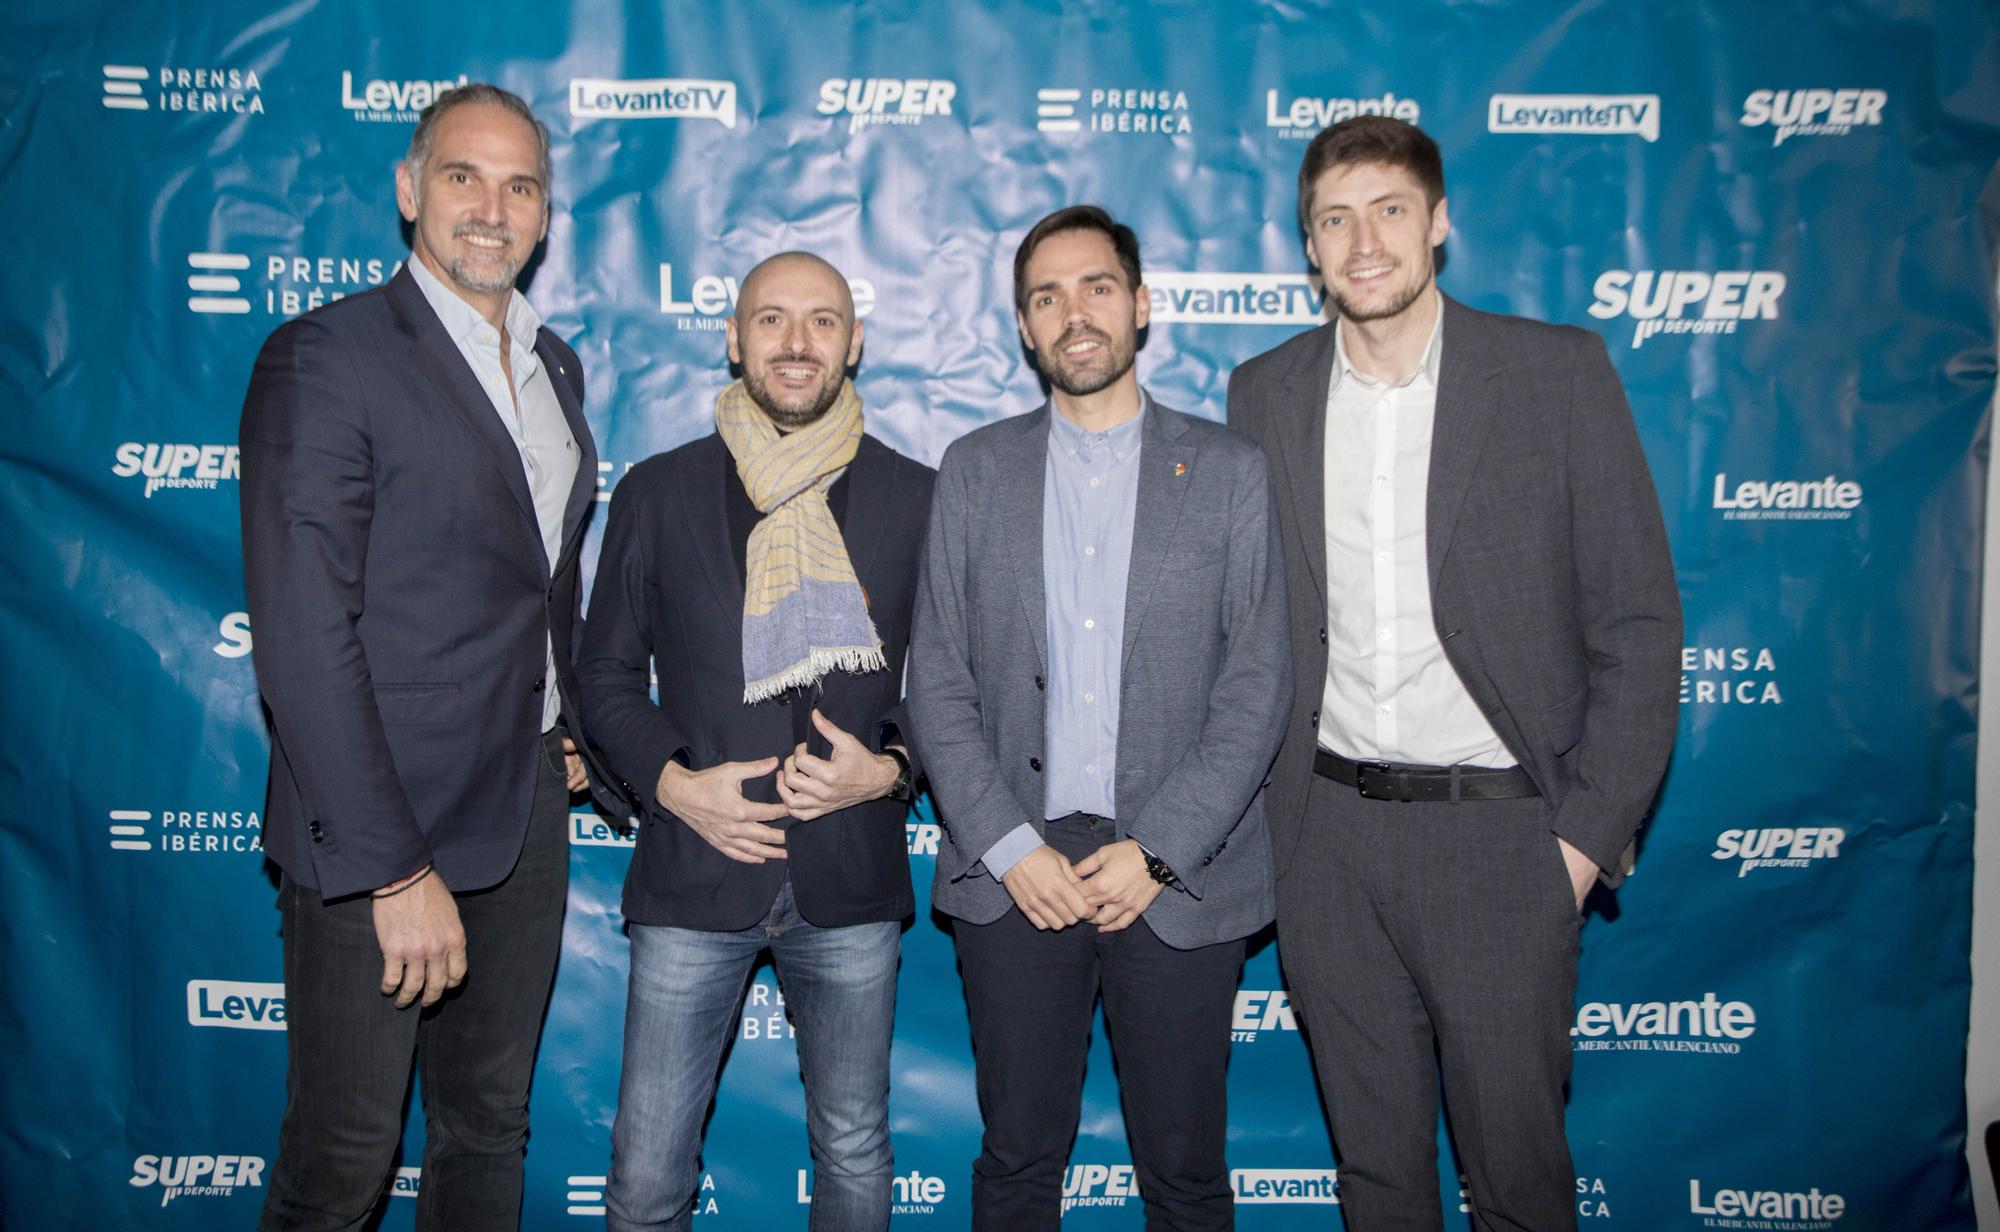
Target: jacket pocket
1563	722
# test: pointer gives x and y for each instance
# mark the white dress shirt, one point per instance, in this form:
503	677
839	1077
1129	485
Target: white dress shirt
529	410
1390	694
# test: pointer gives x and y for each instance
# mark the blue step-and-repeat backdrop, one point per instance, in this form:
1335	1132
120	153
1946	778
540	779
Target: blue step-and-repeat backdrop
1768	211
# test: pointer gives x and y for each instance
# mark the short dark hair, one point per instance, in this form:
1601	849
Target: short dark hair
1371	139
425	137
1077	218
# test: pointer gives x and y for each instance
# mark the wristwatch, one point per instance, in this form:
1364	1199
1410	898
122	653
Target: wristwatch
902	790
1158	869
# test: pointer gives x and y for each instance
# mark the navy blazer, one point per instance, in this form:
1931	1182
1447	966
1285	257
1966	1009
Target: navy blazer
400	596
668	601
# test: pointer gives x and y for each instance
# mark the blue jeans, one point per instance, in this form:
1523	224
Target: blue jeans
687	988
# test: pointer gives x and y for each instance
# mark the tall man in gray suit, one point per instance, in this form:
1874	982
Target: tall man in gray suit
1485	627
1098	675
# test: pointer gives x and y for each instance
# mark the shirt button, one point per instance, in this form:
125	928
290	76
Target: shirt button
1090	697
1090	551
1382	634
1094	481
1381	479
1091	768
1384	707
1382	555
1090	624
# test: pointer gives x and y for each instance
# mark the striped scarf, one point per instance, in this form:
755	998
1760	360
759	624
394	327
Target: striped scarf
804	612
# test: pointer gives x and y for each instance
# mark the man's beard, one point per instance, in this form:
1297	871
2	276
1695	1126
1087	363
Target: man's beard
461	269
1355	312
1082	381
791	416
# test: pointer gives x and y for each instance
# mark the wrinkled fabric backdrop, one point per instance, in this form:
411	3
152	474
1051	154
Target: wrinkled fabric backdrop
1767	211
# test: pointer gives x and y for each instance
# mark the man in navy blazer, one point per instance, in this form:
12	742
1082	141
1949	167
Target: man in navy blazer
772	812
416	474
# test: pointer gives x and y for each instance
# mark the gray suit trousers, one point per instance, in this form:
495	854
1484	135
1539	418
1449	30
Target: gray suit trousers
1431	938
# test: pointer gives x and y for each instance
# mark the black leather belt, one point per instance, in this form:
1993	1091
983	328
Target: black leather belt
1380	780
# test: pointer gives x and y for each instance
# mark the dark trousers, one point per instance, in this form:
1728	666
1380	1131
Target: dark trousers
350	1048
1431	938
1031	995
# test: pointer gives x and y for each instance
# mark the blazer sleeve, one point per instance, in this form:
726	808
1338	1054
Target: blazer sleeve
1190	814
1630	615
614	665
975	804
308	504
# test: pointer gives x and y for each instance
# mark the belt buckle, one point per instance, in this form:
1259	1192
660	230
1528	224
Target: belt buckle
1363	769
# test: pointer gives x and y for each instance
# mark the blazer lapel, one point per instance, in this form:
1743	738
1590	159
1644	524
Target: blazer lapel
1165	462
1023	473
583	489
1301	416
704	508
1459	426
871	495
439	359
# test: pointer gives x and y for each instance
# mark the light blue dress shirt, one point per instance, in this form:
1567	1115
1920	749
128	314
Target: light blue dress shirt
529	411
1090	496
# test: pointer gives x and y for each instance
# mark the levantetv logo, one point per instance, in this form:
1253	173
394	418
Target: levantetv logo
196	1176
1709	1025
1686	301
1786	1210
653	98
885	100
234	1003
1812	113
1611	115
1187	297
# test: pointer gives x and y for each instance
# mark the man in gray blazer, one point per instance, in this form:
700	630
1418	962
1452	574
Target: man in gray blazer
1098	675
1486	631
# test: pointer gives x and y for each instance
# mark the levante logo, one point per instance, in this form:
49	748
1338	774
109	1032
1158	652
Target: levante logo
236	1004
1709	1025
1303	117
913	1193
1826	499
1785	1210
711	298
385	100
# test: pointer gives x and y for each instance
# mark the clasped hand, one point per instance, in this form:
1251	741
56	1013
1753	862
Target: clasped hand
712	803
1110	887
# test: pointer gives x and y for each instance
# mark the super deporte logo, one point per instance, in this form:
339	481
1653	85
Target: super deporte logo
1779	847
1260	1009
900	101
175	467
197	1176
1815	112
1686	301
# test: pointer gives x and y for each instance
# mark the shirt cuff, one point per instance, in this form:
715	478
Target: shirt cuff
1006	853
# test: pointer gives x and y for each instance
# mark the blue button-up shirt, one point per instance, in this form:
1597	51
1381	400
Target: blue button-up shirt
1090	496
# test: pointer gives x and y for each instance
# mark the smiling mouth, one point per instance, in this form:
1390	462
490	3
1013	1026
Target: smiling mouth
1369	273
1084	345
794	372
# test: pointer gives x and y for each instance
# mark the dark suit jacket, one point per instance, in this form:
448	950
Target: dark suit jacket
669	598
400	596
1551	585
1206	682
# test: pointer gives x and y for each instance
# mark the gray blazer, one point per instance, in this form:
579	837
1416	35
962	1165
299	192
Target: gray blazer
1551	585
1207	677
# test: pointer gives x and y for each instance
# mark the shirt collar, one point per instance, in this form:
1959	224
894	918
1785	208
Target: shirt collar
1122	440
1425	375
463	322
